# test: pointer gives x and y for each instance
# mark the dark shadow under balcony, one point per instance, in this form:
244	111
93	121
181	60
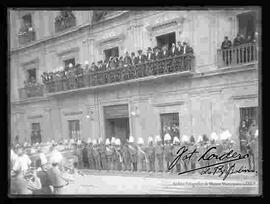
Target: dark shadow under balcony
35	90
243	54
178	64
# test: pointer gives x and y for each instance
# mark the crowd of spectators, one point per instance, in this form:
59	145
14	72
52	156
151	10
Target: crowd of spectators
240	39
115	62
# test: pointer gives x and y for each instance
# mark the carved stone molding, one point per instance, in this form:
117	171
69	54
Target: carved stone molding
175	103
73	113
241	97
167	23
35	116
111	39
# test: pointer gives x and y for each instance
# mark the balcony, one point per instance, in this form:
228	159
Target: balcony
26	35
64	21
178	64
243	54
30	91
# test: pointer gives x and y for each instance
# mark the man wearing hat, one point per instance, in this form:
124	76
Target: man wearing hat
85	156
78	153
142	157
102	152
186	162
176	147
134	59
192	146
150	55
90	155
150	151
167	150
165	52
126	157
119	157
43	176
22	161
173	51
96	155
141	57
213	143
157	54
109	154
159	154
133	153
127	60
179	48
251	146
93	67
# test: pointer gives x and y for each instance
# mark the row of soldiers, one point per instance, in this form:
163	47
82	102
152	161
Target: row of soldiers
114	62
153	156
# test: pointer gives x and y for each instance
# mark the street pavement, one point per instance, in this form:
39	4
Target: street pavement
125	183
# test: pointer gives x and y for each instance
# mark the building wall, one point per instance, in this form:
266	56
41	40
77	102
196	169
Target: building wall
206	102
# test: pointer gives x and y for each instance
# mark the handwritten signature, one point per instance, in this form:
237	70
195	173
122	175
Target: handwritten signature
219	167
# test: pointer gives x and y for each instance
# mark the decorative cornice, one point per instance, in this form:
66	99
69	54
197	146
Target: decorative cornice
73	113
165	24
175	103
35	116
240	97
114	38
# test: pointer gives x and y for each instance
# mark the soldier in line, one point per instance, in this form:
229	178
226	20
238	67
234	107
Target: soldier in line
159	154
185	142
176	147
85	158
167	150
133	153
119	157
251	145
192	147
150	151
96	155
78	153
114	155
126	157
102	152
225	138
109	154
90	154
158	54
142	158
213	143
150	55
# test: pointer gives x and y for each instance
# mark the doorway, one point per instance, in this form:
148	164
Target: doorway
117	122
169	124
166	40
247	23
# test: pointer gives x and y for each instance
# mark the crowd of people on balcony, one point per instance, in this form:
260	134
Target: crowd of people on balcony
241	54
115	62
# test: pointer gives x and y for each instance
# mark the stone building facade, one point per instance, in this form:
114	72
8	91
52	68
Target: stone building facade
209	98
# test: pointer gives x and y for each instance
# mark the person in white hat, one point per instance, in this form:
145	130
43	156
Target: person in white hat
185	142
109	154
126	157
42	175
176	147
102	152
119	157
192	147
22	161
168	150
159	153
150	151
133	150
90	155
85	158
96	155
142	157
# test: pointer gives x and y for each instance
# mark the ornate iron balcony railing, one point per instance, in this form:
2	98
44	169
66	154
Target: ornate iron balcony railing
242	54
183	63
64	21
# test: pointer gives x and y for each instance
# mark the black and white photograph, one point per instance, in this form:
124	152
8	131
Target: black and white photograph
134	101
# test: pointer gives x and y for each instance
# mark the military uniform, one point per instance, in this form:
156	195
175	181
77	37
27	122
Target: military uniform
109	156
159	157
150	151
133	156
126	157
85	157
141	155
168	154
96	157
103	160
90	155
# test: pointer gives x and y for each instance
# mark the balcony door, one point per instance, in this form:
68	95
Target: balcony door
247	23
166	40
112	52
74	129
169	124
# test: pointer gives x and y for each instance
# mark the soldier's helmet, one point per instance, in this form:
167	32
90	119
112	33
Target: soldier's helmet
200	139
113	140
158	138
150	139
256	133
167	137
117	141
140	141
185	139
94	141
89	140
225	135
79	142
176	140
213	136
107	142
131	139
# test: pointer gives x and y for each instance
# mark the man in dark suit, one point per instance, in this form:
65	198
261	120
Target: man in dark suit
157	55
93	67
150	55
165	52
134	59
173	51
141	57
179	48
237	40
127	60
226	44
